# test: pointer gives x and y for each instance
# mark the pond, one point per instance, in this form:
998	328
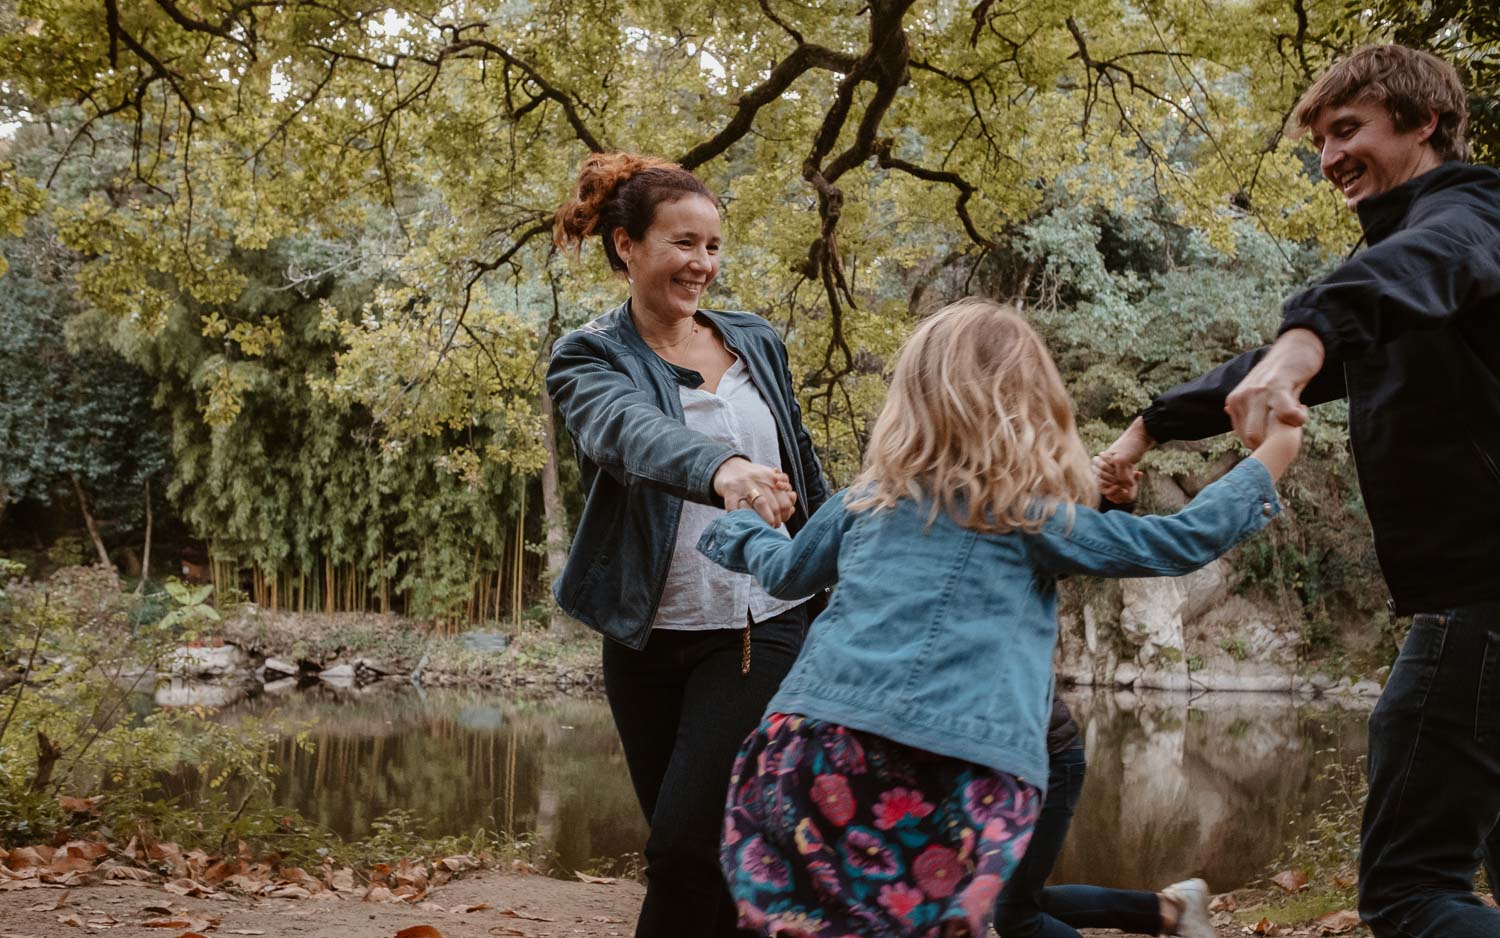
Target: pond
1212	786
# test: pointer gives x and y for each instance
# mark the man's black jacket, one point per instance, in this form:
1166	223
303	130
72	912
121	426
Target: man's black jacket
1411	329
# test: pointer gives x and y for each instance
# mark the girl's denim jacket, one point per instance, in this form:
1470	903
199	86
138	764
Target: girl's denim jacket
637	460
940	637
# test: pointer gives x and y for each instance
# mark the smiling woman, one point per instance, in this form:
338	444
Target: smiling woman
677	414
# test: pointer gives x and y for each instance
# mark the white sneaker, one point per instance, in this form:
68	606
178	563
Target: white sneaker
1192	921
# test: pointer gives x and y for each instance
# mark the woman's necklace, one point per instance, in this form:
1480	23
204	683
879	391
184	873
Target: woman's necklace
666	345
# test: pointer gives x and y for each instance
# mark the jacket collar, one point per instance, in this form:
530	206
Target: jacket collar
1381	215
631	336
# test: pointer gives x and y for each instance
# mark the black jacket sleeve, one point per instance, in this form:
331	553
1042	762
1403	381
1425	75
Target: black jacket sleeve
1194	410
1419	277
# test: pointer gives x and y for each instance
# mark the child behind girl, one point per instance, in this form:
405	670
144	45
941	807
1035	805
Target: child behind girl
893	783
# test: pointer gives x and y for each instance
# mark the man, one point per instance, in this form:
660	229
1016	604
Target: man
1409	331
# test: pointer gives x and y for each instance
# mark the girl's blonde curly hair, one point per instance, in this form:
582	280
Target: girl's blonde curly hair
977	423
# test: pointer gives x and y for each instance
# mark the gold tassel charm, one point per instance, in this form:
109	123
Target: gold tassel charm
745	653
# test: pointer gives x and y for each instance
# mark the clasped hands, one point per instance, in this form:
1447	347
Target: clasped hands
1270	394
766	491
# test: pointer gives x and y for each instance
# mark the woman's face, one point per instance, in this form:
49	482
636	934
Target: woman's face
675	260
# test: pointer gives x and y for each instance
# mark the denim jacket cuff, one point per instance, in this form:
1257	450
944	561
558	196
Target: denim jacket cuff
1258	480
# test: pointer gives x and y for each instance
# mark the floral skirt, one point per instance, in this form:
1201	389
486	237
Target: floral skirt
830	832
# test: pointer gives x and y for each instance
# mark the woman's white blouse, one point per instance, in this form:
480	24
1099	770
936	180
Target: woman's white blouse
699	594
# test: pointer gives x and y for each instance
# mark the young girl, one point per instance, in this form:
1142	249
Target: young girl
894	781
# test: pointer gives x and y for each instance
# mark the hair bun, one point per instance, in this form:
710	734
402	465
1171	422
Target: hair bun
598	178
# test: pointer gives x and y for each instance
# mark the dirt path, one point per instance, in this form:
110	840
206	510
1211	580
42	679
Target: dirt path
515	904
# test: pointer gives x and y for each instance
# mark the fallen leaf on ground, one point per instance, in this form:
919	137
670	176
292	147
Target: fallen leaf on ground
598	880
1223	903
506	930
167	923
80	805
530	918
476	907
1336	923
419	931
50	906
1291	880
244	931
70	920
132	873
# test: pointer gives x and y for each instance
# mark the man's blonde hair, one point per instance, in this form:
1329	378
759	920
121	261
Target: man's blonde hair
977	423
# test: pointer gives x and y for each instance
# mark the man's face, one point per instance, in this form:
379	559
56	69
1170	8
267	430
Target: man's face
1362	152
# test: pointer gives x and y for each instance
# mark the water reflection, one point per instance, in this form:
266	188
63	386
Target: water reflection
1209	786
1212	786
552	769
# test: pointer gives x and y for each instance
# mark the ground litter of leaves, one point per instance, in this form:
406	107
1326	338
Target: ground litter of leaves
152	889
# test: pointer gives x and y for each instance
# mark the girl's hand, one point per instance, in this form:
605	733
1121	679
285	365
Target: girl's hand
1119	481
744	484
1280	446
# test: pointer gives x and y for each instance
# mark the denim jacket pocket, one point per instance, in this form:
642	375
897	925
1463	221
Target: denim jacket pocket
1487	707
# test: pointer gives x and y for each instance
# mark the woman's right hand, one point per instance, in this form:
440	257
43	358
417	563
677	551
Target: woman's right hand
744	484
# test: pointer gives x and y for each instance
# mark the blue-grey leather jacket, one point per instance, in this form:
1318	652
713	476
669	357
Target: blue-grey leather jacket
637	460
940	637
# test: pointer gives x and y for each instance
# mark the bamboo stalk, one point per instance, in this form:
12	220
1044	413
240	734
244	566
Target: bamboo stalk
328	578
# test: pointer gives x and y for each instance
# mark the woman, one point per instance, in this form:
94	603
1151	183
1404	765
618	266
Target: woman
677	413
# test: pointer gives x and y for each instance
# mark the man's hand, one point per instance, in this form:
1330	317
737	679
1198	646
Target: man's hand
1114	469
1273	388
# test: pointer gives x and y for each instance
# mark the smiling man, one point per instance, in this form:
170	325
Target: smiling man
1408	330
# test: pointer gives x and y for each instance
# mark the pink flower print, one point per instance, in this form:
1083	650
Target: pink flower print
978	900
899	899
898	804
760	861
938	871
832	796
867	853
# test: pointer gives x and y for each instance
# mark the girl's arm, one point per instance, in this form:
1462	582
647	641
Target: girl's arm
787	568
1121	545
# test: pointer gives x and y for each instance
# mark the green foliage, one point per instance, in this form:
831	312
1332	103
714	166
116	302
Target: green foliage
72	723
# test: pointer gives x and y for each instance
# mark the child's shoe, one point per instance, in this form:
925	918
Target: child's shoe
1192	896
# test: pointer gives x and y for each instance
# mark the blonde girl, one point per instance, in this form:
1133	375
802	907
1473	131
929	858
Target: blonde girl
894	781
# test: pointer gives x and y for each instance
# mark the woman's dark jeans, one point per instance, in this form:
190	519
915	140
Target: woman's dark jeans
1435	782
1030	909
682	709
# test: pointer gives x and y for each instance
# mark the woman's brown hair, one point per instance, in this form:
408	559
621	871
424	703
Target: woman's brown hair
621	190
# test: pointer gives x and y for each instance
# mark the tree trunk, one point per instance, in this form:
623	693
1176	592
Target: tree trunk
140	588
559	624
88	519
4	500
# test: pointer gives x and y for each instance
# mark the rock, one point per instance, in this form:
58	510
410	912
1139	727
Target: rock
1126	674
1364	688
208	662
275	668
485	641
371	669
341	674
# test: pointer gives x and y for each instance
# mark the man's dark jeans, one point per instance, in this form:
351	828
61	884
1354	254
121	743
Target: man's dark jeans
1027	910
1434	772
682	709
